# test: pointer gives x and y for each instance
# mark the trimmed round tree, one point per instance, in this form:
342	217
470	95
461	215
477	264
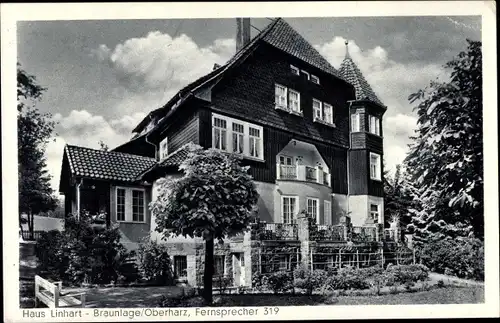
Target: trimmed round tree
215	199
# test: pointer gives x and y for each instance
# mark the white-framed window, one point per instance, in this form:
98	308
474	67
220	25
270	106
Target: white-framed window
295	70
375	167
318	109
284	262
375	125
164	148
313	208
236	136
374	212
180	266
327	113
219	133
219	265
294	100
130	204
286	160
328	213
306	74
289	208
355	122
280	96
314	79
255	142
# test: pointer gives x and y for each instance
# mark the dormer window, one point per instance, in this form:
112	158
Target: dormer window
314	79
306	74
375	125
164	148
375	167
295	70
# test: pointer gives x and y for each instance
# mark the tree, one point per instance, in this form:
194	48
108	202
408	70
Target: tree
34	132
446	158
397	198
215	199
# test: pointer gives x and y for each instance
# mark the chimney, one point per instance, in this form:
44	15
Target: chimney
242	32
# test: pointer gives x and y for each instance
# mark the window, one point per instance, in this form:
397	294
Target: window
328	213
375	125
280	96
219	265
244	138
238	135
286	160
164	148
284	262
327	113
120	204
355	122
314	79
294	101
255	142
180	266
374	212
313	209
318	109
375	169
289	208
130	204
295	70
306	74
219	134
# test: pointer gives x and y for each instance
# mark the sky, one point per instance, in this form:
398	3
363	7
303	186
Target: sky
103	76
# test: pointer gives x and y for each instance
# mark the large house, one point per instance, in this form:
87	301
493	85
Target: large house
311	134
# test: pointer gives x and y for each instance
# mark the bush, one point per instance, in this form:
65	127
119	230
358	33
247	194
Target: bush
82	253
461	257
222	283
155	265
348	278
309	280
280	281
407	275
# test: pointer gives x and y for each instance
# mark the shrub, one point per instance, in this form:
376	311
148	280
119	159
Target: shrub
461	257
155	265
222	283
408	275
82	253
280	281
260	281
309	280
348	278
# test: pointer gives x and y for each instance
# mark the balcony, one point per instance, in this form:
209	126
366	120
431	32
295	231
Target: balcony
303	173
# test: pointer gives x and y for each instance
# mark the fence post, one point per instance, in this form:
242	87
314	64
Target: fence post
382	256
340	258
357	257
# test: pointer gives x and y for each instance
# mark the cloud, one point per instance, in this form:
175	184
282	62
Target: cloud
82	128
400	125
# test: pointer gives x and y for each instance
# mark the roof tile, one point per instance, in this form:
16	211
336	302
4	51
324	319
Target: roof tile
111	165
353	75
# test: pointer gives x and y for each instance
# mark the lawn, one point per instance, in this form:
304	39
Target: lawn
445	295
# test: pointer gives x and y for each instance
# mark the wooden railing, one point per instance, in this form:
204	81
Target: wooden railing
288	172
303	173
311	174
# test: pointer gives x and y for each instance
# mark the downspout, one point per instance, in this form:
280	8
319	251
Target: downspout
348	159
78	198
149	142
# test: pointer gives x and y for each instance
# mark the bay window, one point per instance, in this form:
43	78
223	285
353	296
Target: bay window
355	122
375	125
235	136
130	204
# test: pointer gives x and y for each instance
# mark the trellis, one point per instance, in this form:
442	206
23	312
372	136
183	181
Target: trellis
278	258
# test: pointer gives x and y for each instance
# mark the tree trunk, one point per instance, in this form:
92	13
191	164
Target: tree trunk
209	270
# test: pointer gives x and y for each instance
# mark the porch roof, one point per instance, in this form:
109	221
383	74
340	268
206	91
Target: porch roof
106	165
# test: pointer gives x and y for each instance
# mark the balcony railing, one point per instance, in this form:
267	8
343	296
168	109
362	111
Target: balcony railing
303	173
275	231
328	233
364	234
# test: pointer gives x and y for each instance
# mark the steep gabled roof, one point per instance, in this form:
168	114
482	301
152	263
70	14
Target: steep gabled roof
105	165
285	38
353	75
278	34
